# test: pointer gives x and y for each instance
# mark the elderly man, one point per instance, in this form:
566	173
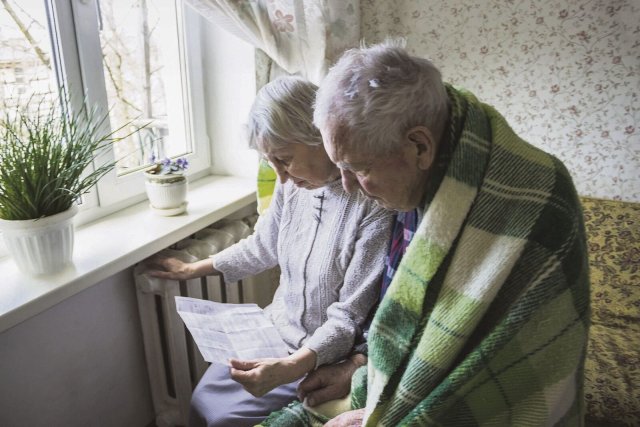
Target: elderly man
485	320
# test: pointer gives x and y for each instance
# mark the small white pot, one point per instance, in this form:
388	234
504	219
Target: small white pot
167	193
40	246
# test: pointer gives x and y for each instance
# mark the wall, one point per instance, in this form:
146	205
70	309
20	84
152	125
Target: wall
80	363
566	75
229	91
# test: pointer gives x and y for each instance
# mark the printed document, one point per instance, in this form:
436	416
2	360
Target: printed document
222	331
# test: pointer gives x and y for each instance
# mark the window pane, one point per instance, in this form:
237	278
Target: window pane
26	72
141	60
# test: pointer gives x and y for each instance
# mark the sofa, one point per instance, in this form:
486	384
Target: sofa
612	367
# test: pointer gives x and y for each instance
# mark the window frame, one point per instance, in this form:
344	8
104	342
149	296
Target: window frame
78	63
71	69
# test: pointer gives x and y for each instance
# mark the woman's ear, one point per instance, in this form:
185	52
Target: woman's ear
424	144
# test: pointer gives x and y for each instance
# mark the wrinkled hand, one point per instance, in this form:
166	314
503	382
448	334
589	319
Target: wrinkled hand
260	376
172	268
329	382
347	419
167	268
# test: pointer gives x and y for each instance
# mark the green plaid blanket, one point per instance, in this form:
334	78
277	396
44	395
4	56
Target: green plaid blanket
486	319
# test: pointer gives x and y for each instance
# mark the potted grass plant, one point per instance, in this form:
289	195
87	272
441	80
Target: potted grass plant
45	159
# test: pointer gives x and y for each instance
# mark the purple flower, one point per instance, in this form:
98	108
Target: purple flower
167	166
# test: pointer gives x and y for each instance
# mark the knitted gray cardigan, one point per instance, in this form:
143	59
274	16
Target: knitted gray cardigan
330	246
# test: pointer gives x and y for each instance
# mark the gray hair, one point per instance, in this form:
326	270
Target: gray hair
282	113
376	94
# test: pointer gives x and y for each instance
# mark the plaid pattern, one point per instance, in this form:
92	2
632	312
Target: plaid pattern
486	319
403	230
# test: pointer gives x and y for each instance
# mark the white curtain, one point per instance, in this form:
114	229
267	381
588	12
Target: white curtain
301	36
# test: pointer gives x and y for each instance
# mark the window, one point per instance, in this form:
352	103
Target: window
25	55
130	58
141	53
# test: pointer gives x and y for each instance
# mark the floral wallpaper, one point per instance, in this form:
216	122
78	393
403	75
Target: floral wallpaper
565	74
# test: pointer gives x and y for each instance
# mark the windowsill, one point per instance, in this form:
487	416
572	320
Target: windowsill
117	242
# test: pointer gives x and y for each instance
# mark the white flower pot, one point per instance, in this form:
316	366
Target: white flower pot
167	193
40	246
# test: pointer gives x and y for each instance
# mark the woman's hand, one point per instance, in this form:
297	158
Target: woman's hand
347	419
260	376
172	268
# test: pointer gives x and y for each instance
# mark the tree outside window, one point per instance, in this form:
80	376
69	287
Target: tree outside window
134	61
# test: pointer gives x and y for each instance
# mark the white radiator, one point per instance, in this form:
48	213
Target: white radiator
173	361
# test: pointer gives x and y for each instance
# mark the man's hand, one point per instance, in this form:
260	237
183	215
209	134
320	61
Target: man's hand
260	376
330	382
172	268
347	419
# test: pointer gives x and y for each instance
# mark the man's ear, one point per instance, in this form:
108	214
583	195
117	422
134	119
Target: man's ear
425	146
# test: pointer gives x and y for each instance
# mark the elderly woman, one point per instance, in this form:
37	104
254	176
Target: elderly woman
329	244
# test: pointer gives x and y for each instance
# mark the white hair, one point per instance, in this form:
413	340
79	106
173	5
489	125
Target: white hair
376	94
282	113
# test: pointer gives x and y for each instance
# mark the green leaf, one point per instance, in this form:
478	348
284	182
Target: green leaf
45	154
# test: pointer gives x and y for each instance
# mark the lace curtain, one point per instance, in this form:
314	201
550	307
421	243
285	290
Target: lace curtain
301	36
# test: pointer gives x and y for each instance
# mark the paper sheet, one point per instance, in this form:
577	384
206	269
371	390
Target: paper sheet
223	331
